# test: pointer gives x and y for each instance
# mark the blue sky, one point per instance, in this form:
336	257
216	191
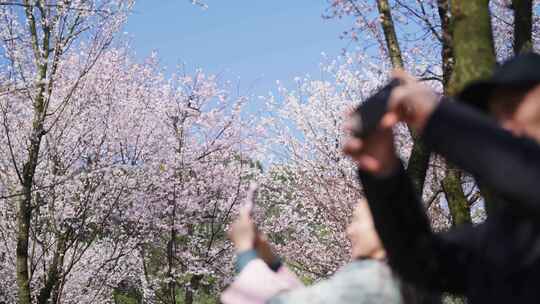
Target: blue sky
252	43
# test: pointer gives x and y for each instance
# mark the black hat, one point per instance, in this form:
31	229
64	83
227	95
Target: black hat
520	72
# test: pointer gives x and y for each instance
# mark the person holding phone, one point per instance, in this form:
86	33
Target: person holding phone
497	261
262	278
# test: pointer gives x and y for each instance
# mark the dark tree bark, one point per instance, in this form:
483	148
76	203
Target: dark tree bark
392	44
419	159
194	285
447	52
472	37
24	206
54	272
522	25
474	58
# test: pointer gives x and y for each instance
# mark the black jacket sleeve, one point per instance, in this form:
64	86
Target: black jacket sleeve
507	164
436	262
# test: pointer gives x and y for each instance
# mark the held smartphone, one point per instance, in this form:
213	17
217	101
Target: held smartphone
368	114
251	196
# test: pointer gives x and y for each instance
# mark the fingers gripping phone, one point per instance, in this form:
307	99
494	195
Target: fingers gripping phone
262	246
367	116
251	196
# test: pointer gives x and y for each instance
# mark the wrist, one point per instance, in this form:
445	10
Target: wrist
390	166
243	246
243	258
423	117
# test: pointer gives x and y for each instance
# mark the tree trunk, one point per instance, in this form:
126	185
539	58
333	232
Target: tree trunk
193	286
418	164
447	52
171	255
419	159
522	25
387	23
24	208
474	53
474	58
53	274
24	214
457	201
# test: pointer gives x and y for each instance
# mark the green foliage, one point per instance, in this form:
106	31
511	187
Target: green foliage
307	280
131	296
134	297
202	298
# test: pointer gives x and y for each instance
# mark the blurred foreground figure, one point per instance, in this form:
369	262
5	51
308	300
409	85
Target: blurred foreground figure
494	262
263	279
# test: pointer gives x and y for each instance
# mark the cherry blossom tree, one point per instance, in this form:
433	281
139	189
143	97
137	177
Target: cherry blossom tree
38	38
82	241
137	166
196	180
103	158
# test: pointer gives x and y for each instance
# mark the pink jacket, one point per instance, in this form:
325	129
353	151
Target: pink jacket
257	283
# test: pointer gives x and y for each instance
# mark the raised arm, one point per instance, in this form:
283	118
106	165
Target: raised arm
437	262
260	274
434	261
507	164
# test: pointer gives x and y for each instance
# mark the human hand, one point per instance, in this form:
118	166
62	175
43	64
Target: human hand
242	232
374	153
411	102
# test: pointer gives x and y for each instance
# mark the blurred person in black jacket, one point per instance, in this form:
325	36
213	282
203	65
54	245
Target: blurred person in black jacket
497	261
